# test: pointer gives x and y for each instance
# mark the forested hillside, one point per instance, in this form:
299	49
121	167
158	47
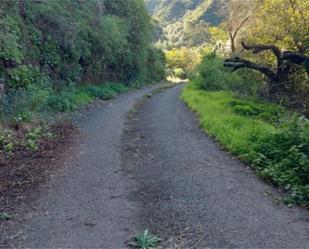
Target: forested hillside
56	56
184	22
68	41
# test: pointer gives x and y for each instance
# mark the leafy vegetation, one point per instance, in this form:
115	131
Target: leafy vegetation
49	49
145	240
184	22
182	62
73	97
238	108
27	115
213	76
27	138
5	216
274	141
70	41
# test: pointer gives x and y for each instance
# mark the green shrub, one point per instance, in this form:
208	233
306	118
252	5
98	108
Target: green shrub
59	103
212	76
244	110
93	91
32	138
107	93
16	104
7	141
156	65
10	39
179	73
267	112
116	87
283	157
73	97
26	76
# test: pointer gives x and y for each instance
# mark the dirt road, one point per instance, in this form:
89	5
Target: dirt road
190	190
157	170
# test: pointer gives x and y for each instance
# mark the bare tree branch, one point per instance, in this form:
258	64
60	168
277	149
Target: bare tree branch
240	25
259	48
294	57
237	63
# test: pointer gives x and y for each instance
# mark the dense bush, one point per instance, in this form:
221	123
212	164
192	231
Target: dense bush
73	40
25	76
47	51
182	62
212	76
283	157
100	92
59	103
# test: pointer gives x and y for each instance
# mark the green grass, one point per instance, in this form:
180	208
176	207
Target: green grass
264	135
73	97
219	120
34	107
28	104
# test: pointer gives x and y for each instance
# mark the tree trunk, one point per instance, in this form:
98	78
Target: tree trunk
278	77
232	40
22	8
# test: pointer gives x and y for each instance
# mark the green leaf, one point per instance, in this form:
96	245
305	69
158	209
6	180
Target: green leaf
5	216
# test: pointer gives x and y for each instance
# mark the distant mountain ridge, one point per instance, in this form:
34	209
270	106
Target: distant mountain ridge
184	22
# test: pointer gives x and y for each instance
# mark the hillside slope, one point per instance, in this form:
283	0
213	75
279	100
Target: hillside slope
184	22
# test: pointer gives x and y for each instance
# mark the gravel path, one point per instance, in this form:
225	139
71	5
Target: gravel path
196	195
86	204
157	170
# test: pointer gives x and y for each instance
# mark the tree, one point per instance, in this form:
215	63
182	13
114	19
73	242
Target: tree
182	60
284	23
22	8
236	15
278	76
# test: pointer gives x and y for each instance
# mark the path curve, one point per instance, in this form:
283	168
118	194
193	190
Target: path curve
157	170
86	204
196	195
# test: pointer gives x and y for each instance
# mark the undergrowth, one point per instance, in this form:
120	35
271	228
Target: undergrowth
24	112
274	141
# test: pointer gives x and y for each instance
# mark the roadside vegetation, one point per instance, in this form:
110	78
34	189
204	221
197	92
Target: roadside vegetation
268	136
56	56
259	109
274	141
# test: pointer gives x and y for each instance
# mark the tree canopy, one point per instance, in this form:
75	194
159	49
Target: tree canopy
69	41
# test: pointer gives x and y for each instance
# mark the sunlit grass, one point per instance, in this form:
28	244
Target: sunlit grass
219	120
270	139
